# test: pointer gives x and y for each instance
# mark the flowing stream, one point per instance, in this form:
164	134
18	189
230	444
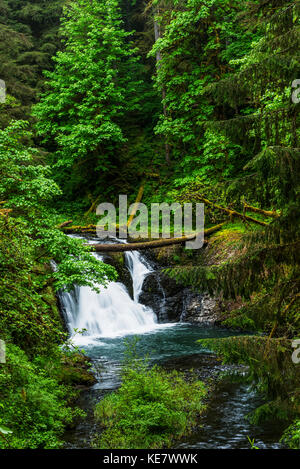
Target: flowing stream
113	315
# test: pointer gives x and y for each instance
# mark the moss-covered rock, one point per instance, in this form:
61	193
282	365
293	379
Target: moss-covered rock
76	370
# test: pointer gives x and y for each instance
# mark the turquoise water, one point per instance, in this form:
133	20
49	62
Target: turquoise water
166	341
175	347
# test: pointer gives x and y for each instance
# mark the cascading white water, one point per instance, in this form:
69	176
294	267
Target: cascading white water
112	312
138	269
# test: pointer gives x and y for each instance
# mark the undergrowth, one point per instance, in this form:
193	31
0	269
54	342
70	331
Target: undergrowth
151	409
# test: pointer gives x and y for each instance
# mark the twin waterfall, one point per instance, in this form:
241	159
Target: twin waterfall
112	312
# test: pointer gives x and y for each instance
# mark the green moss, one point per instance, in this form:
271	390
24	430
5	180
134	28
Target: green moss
119	258
76	370
240	321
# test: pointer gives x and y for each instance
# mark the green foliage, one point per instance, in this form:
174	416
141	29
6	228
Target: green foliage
29	38
291	436
90	89
151	409
29	241
25	180
271	369
222	103
27	190
265	270
198	40
33	404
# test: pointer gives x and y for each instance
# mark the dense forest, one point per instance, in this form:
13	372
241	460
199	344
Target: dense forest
186	101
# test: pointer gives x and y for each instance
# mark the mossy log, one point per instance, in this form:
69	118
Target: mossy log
64	224
230	212
266	213
151	244
80	229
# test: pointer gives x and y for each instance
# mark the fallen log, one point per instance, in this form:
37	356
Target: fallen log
140	246
80	229
230	212
151	244
64	224
266	213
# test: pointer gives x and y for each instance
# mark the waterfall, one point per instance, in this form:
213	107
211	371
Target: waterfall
138	268
112	312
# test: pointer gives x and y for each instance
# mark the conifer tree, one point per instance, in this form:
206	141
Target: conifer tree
262	118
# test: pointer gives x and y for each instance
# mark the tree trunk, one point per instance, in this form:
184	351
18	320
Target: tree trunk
151	244
231	213
64	224
266	213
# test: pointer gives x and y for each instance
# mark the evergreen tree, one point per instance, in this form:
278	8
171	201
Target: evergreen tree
266	121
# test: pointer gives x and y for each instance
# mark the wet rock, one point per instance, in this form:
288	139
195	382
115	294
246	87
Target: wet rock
199	309
163	295
76	371
173	302
117	260
153	295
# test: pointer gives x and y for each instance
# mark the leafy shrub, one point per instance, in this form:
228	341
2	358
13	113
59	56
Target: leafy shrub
33	405
151	409
26	194
291	436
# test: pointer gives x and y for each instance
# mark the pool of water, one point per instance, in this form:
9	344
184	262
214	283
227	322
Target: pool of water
175	346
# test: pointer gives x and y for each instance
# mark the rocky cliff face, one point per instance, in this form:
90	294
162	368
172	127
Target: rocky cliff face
168	299
172	302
